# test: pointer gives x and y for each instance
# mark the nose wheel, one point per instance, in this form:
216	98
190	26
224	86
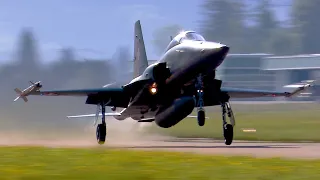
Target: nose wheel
227	128
201	113
201	117
101	130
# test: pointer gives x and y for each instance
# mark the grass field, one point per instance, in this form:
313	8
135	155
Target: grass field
50	163
275	122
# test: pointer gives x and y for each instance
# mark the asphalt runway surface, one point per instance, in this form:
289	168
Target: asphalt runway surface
238	148
199	146
127	136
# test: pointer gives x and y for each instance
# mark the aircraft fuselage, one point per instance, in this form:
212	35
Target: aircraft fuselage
186	61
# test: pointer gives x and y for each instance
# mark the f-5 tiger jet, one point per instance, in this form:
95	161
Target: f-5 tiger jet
167	91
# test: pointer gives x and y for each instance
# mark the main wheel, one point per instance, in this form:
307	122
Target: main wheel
228	134
101	133
201	118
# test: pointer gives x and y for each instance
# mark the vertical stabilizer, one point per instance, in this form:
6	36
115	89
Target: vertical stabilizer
140	56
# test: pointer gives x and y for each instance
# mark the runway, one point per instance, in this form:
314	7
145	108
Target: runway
238	148
149	142
199	146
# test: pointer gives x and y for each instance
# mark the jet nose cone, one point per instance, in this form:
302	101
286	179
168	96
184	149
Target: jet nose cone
213	54
215	49
224	51
213	46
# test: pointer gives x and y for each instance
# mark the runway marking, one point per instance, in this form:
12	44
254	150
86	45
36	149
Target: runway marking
249	130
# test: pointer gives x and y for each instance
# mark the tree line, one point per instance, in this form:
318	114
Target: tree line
248	28
66	72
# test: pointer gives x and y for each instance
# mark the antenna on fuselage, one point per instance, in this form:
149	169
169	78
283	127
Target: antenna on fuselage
171	38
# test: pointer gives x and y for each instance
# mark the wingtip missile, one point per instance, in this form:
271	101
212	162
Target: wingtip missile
305	83
300	87
23	94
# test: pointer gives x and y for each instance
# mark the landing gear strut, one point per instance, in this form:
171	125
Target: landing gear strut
101	131
201	113
227	128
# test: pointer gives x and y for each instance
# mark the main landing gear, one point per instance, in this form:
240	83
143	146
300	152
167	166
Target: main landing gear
227	128
226	109
101	131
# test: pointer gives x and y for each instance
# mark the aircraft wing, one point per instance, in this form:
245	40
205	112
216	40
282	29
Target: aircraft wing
35	90
77	92
248	93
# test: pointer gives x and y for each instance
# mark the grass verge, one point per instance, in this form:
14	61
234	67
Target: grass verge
270	123
50	163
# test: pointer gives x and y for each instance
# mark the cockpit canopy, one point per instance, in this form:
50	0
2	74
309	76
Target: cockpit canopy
192	36
185	36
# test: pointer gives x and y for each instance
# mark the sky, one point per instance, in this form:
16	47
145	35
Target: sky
94	28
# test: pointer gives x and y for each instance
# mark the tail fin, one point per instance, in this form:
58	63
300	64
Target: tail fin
140	55
19	92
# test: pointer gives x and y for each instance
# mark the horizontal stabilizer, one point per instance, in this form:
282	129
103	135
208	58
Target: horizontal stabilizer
195	117
93	115
152	119
147	120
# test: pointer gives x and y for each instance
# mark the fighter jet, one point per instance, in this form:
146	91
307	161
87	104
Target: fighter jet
167	91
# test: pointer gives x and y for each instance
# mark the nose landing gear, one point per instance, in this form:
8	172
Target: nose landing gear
201	113
201	117
226	109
